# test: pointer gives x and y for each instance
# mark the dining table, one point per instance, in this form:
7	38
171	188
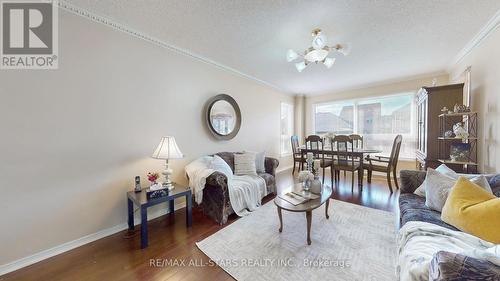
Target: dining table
356	152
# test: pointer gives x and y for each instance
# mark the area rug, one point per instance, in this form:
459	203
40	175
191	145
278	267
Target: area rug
356	243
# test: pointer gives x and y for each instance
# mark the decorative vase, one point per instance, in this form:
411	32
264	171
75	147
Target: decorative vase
306	185
316	186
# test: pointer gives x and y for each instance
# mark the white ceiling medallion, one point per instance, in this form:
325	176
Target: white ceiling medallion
317	53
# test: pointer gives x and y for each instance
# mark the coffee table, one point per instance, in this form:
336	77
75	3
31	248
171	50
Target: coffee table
306	207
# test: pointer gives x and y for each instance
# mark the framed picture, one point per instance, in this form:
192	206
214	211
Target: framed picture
460	152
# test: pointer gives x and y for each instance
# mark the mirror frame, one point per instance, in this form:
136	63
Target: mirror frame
232	102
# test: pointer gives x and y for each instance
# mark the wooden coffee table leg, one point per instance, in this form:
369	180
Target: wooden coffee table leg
309	218
281	220
326	208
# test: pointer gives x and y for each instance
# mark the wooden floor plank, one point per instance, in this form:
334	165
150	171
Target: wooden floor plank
117	258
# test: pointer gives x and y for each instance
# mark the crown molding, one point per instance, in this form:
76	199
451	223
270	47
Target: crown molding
158	42
483	33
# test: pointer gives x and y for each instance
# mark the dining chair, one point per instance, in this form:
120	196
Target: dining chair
316	144
345	159
357	141
386	164
297	155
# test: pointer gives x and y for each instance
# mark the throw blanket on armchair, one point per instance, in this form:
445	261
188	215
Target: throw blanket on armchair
198	171
245	192
420	241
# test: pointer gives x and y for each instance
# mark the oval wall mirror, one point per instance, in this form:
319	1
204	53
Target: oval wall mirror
223	117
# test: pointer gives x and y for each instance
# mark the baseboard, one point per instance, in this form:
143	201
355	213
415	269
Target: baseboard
59	249
281	169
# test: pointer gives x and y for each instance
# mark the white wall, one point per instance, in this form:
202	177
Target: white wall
74	138
485	97
299	116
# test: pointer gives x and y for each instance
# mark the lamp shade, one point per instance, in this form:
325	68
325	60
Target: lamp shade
291	55
345	49
328	62
167	149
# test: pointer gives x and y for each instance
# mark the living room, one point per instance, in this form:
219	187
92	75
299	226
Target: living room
164	140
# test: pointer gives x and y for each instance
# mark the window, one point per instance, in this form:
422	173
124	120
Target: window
286	128
378	120
335	117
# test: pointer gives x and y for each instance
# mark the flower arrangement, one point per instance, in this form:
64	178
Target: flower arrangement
305	176
329	136
153	177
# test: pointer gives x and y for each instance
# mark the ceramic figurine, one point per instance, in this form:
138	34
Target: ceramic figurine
459	131
459	108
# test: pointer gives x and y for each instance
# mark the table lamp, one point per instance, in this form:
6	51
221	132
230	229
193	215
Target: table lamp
167	149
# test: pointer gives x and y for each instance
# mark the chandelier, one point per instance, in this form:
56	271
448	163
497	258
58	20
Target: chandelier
317	53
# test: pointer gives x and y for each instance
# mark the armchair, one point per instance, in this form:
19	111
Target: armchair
216	203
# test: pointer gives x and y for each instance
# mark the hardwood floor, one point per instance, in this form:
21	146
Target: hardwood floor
118	258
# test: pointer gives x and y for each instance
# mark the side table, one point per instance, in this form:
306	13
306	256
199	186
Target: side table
140	200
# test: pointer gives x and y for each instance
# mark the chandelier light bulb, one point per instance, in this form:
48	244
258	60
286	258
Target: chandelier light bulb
328	62
291	55
319	41
344	49
300	66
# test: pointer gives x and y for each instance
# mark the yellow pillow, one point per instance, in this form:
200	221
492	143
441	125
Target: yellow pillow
473	210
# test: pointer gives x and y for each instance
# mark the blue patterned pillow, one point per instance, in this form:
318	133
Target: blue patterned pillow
495	184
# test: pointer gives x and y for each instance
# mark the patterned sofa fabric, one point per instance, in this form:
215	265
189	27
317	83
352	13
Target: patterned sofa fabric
495	184
450	266
216	202
411	180
412	208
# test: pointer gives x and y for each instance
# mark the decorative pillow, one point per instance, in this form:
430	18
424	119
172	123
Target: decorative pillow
244	164
446	266
445	170
260	158
494	182
437	187
473	210
218	164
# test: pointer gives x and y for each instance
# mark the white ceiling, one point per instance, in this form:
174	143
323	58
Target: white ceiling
390	39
